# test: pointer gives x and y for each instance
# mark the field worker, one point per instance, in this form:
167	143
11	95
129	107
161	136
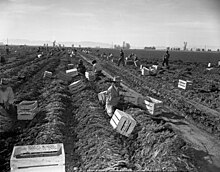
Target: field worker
96	68
6	96
81	68
113	97
136	60
166	58
122	58
110	55
7	49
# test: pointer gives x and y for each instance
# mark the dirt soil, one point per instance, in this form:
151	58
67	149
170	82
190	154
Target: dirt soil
166	142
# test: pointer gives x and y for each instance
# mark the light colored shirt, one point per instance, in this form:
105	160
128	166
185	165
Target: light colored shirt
113	96
7	96
96	67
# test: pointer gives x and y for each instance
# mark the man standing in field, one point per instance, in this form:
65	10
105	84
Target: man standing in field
166	58
7	49
122	58
113	97
6	96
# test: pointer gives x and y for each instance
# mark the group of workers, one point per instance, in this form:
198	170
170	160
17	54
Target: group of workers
133	57
113	96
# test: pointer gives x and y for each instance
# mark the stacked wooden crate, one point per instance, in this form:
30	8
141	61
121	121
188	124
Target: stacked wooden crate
72	72
122	122
47	74
77	86
27	110
186	85
151	105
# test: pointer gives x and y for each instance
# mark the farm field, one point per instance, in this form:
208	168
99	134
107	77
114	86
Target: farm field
183	137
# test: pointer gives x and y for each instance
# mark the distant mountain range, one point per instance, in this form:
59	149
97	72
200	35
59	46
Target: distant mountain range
50	43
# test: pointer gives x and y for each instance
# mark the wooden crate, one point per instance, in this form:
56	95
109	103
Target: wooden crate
27	105
218	63
72	72
38	158
26	114
77	86
102	97
145	71
122	122
90	76
155	67
70	66
47	74
185	84
57	168
153	106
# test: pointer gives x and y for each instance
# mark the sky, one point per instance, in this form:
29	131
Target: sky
138	22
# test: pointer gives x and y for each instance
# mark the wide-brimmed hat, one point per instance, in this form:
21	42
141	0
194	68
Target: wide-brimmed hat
4	81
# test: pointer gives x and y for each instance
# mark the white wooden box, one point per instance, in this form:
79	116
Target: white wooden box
27	105
141	66
153	106
72	72
218	63
47	74
90	76
77	86
145	71
209	65
57	168
102	97
122	122
26	114
185	84
38	158
155	67
70	66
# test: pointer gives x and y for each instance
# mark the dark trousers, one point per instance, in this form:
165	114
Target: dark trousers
121	60
165	61
12	111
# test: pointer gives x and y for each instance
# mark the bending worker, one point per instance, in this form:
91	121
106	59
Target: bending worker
81	68
96	68
6	96
113	97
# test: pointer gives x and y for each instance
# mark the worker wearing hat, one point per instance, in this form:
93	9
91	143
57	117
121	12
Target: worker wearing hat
113	97
6	95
